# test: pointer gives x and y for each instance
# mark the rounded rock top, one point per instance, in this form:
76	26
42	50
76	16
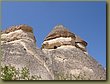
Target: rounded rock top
59	31
23	27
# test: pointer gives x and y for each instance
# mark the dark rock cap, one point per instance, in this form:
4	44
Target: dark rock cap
59	31
23	27
27	29
79	40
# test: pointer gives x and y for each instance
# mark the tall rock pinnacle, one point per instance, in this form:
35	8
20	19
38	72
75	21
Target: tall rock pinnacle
69	58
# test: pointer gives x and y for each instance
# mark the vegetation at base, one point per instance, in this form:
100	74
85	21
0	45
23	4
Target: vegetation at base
11	73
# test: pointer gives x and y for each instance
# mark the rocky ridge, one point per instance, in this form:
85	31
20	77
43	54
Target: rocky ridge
63	55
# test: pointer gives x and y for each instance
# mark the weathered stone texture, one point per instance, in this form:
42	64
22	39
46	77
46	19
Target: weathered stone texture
63	62
74	62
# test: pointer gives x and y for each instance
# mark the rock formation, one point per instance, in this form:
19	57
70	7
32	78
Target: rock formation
60	36
57	37
63	55
19	50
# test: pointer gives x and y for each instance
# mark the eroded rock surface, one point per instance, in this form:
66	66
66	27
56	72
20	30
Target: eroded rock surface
22	52
63	55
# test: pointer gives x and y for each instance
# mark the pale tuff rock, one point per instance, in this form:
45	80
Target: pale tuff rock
73	62
63	55
69	56
19	49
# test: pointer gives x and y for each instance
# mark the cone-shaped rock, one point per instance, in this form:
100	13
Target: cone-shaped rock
68	58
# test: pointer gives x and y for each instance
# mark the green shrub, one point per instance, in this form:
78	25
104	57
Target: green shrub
11	73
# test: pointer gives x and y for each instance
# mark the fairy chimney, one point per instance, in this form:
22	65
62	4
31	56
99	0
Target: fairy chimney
59	36
63	55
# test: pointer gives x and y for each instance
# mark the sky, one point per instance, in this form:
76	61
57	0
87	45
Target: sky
85	19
